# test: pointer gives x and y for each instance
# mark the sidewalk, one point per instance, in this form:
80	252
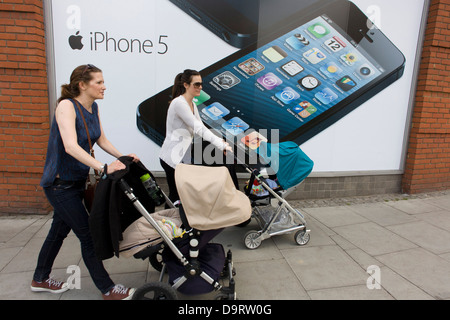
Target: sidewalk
407	243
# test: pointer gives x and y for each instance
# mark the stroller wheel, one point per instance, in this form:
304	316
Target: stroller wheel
155	291
155	260
225	296
302	237
252	240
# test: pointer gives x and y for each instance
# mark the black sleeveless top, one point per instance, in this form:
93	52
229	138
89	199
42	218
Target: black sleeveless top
58	162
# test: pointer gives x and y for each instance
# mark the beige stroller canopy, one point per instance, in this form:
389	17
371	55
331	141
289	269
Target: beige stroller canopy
209	197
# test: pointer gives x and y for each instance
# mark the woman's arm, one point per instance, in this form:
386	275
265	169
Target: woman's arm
66	117
183	110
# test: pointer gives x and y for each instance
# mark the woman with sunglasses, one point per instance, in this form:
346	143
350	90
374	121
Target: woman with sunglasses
66	169
183	122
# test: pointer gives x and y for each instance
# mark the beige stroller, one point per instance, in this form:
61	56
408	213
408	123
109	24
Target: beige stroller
194	265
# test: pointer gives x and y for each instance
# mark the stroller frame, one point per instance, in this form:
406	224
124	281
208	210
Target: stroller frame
192	268
253	238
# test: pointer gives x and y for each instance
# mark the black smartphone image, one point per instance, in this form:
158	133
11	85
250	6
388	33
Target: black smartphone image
292	84
240	22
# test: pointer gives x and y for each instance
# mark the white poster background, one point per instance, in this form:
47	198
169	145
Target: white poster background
371	138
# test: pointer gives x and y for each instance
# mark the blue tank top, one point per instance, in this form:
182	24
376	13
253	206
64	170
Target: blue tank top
58	162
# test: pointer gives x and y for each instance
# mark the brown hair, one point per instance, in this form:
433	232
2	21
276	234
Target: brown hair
182	78
82	73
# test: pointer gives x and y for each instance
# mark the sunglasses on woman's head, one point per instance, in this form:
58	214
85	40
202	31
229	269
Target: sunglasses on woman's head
88	66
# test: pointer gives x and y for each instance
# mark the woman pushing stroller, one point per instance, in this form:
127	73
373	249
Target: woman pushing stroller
66	169
183	121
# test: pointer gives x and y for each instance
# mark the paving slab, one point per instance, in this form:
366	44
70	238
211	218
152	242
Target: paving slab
414	206
382	214
373	239
8	254
400	288
268	280
363	259
335	216
324	267
425	270
439	219
350	293
26	259
10	228
442	202
423	234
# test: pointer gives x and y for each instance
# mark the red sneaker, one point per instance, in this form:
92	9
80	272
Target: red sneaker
119	292
49	285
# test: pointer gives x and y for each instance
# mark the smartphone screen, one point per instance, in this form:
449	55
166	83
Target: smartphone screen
285	84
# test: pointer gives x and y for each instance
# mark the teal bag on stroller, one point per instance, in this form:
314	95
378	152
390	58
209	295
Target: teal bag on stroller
289	162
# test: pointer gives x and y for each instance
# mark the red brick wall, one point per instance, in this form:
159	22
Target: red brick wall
428	159
24	112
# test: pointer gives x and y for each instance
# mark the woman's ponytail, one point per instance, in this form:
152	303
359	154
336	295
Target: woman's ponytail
178	87
69	92
182	78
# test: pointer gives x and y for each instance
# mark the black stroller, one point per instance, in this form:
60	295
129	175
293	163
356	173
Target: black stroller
194	265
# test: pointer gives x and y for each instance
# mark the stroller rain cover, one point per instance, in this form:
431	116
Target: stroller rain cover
289	162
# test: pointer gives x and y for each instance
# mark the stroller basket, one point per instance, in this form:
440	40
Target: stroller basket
282	221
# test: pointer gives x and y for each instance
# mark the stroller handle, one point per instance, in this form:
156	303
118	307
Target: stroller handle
124	186
129	193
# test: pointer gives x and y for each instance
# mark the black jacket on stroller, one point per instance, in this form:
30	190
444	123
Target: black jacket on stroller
107	219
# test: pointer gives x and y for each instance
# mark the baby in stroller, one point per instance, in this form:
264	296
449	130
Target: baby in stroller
175	240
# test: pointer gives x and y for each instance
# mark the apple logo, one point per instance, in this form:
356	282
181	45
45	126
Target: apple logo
75	41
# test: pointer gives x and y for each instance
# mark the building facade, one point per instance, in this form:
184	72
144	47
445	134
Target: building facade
25	116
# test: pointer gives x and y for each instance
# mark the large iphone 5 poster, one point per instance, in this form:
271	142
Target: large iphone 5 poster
141	45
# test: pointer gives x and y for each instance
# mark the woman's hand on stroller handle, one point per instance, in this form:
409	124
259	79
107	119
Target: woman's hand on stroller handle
116	165
135	157
227	148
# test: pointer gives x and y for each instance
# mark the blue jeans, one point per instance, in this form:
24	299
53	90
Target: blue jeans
70	214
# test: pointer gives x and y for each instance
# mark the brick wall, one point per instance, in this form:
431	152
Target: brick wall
428	160
24	114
